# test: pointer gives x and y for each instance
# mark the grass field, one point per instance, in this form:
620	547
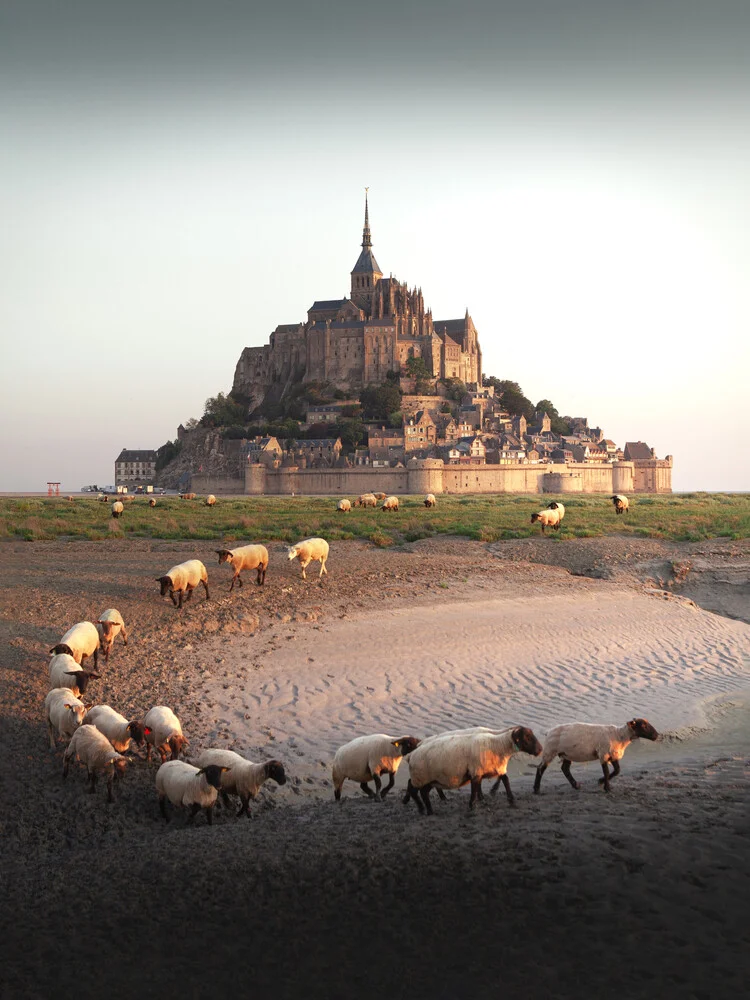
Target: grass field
678	517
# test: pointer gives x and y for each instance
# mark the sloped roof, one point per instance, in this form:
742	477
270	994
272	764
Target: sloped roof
450	326
137	456
326	304
366	263
636	450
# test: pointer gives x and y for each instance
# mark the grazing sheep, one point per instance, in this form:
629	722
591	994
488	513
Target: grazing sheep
242	778
390	503
117	508
366	758
344	505
366	500
187	496
81	640
185	785
548	519
579	741
116	727
622	504
92	748
70	498
429	500
452	761
380	496
64	672
162	730
64	714
310	550
152	501
182	579
210	500
106	642
245	557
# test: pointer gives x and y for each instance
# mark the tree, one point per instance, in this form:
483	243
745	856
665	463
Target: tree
456	388
222	411
380	400
557	424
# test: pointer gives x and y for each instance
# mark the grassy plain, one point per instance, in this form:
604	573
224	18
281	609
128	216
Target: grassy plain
676	517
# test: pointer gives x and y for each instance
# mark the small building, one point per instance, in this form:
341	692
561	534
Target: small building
135	468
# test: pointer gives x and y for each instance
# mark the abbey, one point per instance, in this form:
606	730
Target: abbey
358	340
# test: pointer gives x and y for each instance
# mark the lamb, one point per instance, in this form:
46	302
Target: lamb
548	518
187	496
162	730
182	579
344	506
117	626
116	728
429	500
93	749
452	761
64	713
245	557
64	672
81	640
390	503
622	504
579	741
117	508
310	550
366	758
366	500
185	785
210	500
242	778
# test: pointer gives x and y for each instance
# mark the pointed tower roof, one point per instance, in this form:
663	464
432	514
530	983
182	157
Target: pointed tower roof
366	263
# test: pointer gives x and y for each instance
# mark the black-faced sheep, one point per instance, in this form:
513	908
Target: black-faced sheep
344	506
162	730
64	672
92	748
429	500
182	579
390	503
118	730
241	776
621	503
185	785
83	639
367	758
117	509
245	557
64	714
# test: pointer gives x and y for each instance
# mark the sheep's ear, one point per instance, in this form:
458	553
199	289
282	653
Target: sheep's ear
72	673
396	743
225	769
202	770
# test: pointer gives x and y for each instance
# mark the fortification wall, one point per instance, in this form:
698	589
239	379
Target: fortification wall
218	485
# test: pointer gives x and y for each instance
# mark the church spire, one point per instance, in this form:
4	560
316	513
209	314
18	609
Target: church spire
366	240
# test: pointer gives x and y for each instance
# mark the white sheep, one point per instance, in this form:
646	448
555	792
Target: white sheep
187	496
117	627
182	579
390	503
550	517
81	640
64	672
242	778
245	557
118	730
429	500
366	500
117	508
310	550
621	503
162	730
152	501
366	758
64	714
92	748
380	496
344	505
210	500
185	785
452	761
580	741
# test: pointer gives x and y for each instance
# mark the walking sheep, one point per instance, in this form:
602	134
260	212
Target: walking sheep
366	758
64	714
185	785
621	503
550	517
182	579
81	640
106	640
240	776
162	730
310	550
390	503
429	500
577	742
64	672
344	506
117	509
93	749
116	728
245	557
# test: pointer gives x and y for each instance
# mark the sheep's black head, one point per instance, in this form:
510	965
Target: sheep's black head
213	773
83	677
275	770
524	740
535	518
406	744
166	584
642	730
61	647
553	505
137	733
225	555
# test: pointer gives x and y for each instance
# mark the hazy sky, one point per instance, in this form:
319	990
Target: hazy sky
179	178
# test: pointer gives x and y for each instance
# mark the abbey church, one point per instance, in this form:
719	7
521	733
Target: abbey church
358	340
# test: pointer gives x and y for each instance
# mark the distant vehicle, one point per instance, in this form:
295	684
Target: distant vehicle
139	489
90	489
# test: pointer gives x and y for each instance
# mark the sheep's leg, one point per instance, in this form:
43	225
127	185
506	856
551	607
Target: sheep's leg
209	810
367	790
537	780
245	800
51	728
174	599
124	635
231	586
424	791
262	575
441	795
378	785
411	793
239	580
613	773
493	790
66	764
163	808
568	775
179	603
506	782
605	780
188	594
304	565
225	799
389	786
92	785
476	791
195	808
323	568
337	794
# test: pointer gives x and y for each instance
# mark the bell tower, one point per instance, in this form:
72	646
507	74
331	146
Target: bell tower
366	273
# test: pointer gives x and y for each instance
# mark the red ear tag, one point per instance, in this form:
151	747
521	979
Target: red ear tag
147	731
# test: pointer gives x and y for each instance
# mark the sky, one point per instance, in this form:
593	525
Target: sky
181	177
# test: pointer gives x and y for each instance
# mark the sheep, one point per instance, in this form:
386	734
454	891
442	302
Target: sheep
580	741
117	508
162	729
242	778
310	550
245	557
210	500
187	496
454	732
64	672
621	503
366	758
366	500
64	714
185	785
116	728
559	507
380	496
452	761
390	503
344	506
547	518
183	579
81	640
429	500
92	748
106	642
152	501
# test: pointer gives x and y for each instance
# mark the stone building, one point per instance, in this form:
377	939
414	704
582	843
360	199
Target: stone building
135	468
357	340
